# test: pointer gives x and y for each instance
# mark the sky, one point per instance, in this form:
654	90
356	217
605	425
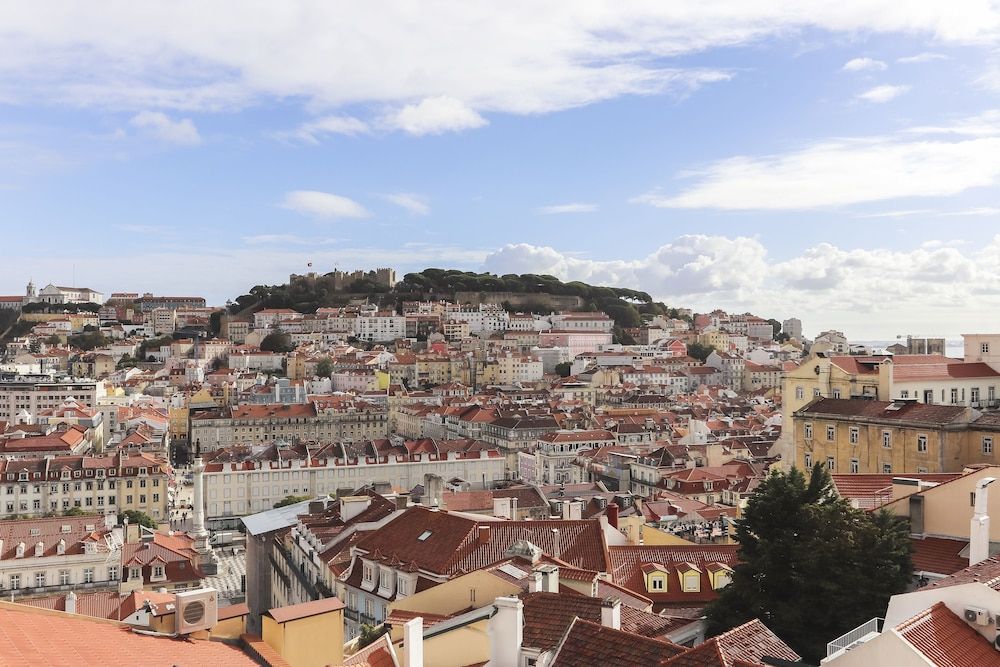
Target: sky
834	161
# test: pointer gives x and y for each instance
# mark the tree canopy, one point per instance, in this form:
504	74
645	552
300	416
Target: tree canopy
135	517
88	340
811	566
277	341
699	351
290	500
324	367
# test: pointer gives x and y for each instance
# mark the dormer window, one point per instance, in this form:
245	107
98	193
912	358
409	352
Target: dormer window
135	573
22	477
39	549
657	584
19	551
692	582
158	573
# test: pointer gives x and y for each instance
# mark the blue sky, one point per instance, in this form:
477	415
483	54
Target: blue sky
834	161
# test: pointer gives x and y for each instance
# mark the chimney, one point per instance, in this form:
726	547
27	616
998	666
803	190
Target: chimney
979	537
484	534
413	643
351	506
612	514
506	632
513	509
402	502
555	542
70	603
535	582
317	506
550	578
611	612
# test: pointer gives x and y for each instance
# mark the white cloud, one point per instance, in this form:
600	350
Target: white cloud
883	94
977	211
314	130
323	205
434	115
566	208
905	213
863	64
845	171
160	125
413	203
532	57
867	293
925	57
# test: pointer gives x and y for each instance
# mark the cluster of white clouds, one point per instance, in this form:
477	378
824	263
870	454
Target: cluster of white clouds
164	128
423	69
328	206
916	162
933	286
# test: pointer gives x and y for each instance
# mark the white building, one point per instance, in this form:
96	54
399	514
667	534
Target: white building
54	294
380	326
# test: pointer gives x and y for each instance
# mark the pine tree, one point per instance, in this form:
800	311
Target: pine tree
812	567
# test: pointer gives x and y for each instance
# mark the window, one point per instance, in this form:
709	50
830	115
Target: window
984	348
369	573
88	575
831	433
656	584
886	468
991	393
692	581
987	445
15	581
886	439
809	460
831	464
904	393
39	580
815	392
974	394
158	572
800	393
424	535
921	471
64	577
855	466
922	443
135	573
808	431
113	573
954	395
855	435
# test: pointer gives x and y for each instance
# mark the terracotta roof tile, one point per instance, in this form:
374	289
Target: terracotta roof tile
26	638
939	555
587	644
946	640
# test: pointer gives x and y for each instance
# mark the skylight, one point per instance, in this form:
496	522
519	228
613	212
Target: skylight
424	535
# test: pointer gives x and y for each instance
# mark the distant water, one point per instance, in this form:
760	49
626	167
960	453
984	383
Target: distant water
953	347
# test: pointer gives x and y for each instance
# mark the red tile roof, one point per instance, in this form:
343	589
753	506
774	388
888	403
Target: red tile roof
873	490
628	562
587	644
747	644
939	555
946	640
304	610
884	410
377	654
30	636
985	572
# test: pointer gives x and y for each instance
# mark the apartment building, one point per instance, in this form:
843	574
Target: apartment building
861	436
57	554
242	480
321	419
105	484
35	393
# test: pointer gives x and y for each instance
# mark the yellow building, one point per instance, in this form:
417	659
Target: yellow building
310	634
717	339
862	436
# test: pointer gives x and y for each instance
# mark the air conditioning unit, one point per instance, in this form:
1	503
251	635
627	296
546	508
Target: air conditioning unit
977	616
197	610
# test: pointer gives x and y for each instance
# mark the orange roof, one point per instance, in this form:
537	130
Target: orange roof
946	640
28	637
296	611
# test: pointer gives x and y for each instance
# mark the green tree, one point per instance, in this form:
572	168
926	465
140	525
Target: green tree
35	345
775	327
804	554
127	361
74	511
277	341
370	633
88	340
699	351
137	517
290	500
324	367
563	368
215	323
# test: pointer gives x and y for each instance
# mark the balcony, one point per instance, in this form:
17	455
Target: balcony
352	614
859	635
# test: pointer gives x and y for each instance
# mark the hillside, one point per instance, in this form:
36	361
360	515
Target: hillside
625	306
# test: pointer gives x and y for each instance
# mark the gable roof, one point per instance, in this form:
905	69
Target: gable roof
587	644
746	644
946	640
